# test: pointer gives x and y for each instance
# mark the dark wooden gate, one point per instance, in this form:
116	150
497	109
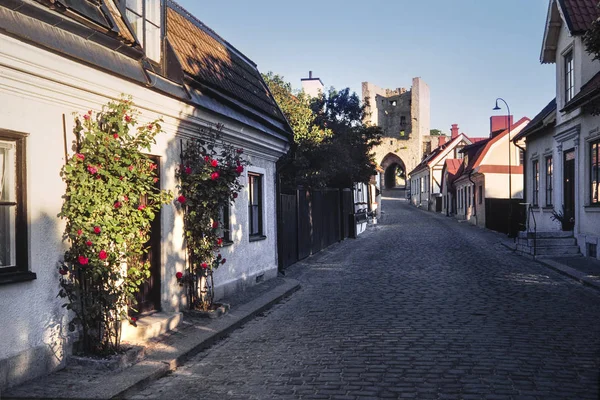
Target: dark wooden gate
310	221
504	216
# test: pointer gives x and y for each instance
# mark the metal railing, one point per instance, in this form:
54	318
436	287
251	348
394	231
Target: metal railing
529	222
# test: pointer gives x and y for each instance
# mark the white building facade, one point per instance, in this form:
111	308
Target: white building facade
43	81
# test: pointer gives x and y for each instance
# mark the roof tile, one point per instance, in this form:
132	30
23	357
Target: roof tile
212	63
580	14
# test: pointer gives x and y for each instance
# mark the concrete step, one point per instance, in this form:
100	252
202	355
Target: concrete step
548	242
542	235
150	326
557	251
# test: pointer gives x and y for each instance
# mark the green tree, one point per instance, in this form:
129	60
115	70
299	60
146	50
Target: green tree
435	132
346	156
591	39
300	166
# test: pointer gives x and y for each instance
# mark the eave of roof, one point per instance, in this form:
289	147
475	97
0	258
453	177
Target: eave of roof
538	122
431	157
588	92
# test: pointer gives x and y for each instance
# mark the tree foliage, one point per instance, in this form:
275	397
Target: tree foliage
331	145
591	39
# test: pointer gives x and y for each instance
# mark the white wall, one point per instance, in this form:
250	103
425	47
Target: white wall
34	101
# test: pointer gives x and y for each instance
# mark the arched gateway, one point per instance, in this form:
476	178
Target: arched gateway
395	171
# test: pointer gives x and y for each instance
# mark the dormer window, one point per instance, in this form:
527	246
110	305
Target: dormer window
569	77
145	19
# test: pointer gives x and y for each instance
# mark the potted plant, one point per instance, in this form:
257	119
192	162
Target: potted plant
566	220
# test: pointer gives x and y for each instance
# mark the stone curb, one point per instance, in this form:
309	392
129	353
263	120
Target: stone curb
559	267
160	362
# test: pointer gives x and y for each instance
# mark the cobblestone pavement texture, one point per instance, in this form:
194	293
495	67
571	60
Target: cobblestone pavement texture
418	307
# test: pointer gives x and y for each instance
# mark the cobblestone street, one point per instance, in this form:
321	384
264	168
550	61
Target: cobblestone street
419	306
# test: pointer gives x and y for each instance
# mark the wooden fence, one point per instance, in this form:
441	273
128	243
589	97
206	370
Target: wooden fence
312	220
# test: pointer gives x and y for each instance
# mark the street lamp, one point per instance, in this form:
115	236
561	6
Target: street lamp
509	164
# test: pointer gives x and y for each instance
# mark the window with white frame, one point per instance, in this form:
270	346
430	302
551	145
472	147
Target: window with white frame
146	20
594	172
536	182
13	218
549	176
569	76
255	204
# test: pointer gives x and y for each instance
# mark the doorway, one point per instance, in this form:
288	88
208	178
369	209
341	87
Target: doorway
569	184
148	298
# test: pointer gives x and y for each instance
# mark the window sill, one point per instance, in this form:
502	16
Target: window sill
550	207
257	238
16	277
590	208
227	243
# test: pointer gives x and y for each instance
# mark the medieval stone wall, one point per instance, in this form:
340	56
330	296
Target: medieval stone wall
403	116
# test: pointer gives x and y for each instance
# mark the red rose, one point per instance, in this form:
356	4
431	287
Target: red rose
82	260
188	170
155	180
80	156
153	166
97	230
150	126
102	255
120	178
215	224
127	118
86	117
214	176
240	151
239	169
181	199
179	275
125	198
214	163
223	261
141	207
79	232
63	271
219	241
117	204
116	135
204	265
89	243
91	169
133	319
130	167
206	159
235	195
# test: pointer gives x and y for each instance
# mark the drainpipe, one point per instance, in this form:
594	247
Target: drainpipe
474	205
524	181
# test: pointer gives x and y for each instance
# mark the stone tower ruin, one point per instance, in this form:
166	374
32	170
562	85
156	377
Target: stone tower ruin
403	115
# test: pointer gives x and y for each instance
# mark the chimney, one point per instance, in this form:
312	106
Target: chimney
454	131
498	123
309	74
441	140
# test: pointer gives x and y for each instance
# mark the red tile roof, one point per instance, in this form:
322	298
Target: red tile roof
212	62
452	165
580	14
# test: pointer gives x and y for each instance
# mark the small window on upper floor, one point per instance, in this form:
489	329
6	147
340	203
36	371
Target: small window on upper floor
145	17
569	77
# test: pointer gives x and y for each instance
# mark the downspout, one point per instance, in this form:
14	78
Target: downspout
474	205
524	179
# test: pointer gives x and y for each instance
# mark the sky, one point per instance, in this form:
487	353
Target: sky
469	52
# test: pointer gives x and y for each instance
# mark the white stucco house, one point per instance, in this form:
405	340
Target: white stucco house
74	57
490	176
426	178
562	161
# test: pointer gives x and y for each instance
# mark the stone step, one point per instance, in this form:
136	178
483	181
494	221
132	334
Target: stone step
557	251
547	242
150	326
542	235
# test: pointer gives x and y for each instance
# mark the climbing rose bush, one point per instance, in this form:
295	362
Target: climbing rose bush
209	180
109	204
